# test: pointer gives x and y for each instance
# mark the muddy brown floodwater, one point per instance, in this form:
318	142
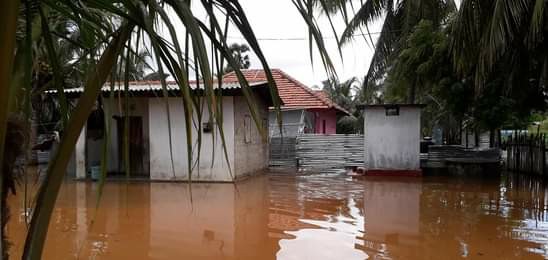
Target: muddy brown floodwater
280	216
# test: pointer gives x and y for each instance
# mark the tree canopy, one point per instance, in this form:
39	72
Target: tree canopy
484	63
240	53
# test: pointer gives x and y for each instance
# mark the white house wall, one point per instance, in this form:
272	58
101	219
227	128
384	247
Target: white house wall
115	107
80	155
212	166
393	142
251	151
293	122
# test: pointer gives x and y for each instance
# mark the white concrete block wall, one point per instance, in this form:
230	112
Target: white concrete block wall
80	155
393	142
160	158
251	151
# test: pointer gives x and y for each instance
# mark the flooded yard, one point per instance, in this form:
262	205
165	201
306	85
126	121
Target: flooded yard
280	216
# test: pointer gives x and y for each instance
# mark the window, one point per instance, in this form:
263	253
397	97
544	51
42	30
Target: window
323	126
247	129
392	111
207	127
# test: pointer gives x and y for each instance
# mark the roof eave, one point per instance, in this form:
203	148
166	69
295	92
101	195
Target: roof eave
365	106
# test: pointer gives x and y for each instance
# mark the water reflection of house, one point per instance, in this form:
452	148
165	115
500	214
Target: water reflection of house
152	129
304	110
392	217
158	221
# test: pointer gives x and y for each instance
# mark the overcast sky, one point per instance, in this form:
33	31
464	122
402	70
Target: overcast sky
283	38
280	20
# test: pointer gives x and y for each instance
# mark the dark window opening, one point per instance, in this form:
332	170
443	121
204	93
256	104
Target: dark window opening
392	111
323	122
207	127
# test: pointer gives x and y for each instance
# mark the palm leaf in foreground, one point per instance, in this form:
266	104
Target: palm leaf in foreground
8	26
98	41
50	188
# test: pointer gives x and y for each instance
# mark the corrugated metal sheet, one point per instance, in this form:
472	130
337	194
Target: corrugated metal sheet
440	155
329	153
484	140
282	152
155	86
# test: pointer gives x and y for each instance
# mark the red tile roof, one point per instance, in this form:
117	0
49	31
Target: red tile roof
325	96
293	93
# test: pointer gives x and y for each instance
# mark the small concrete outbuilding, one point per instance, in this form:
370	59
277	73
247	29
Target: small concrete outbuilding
392	139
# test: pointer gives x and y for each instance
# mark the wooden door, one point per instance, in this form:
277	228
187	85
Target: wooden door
136	146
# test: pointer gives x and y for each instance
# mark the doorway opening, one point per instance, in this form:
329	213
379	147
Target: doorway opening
136	147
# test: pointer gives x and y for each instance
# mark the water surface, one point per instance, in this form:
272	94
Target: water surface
282	216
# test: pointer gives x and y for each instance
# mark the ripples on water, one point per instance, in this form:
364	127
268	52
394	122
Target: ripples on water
282	216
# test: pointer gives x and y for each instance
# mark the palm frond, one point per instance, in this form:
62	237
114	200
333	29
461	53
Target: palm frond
369	12
8	27
50	188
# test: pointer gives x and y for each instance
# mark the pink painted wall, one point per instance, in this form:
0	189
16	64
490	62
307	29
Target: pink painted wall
330	118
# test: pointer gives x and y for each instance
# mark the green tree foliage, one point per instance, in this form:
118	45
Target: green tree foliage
420	66
240	53
488	33
400	17
349	94
422	72
341	93
454	98
500	48
484	63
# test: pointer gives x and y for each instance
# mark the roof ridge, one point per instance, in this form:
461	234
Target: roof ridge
324	99
285	81
307	89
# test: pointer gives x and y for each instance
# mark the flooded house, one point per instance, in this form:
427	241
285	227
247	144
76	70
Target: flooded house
305	111
157	136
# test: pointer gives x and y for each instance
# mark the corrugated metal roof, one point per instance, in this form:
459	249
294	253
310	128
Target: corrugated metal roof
146	86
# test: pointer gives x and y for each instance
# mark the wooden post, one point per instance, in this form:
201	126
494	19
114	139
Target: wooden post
518	153
508	152
530	150
543	153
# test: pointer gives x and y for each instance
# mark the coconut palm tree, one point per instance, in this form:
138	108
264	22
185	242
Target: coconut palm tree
400	17
501	36
342	93
110	36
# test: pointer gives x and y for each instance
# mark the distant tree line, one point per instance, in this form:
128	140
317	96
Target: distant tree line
483	65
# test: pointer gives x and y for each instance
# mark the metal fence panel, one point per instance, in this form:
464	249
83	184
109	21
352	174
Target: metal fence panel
282	152
526	153
329	152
